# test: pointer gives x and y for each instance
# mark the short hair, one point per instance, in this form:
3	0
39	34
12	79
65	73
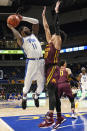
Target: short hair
62	62
83	69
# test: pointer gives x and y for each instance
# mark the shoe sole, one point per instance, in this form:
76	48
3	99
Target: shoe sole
60	124
73	117
48	126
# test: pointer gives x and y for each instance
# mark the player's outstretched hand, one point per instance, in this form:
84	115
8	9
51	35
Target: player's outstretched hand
57	6
44	11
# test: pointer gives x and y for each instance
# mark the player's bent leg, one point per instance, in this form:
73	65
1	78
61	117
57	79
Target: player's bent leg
60	119
40	77
73	106
52	98
83	95
25	91
69	94
49	121
40	86
24	99
31	69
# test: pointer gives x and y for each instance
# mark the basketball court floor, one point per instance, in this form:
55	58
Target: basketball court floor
13	118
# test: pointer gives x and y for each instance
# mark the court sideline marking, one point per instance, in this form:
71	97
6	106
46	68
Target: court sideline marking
4	126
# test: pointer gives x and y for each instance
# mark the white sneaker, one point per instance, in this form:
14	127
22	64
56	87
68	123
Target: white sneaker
74	116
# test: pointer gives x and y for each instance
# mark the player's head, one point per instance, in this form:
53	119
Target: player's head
62	35
63	63
83	69
24	31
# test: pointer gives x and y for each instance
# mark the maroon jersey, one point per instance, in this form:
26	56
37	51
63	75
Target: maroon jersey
51	61
63	84
63	76
51	54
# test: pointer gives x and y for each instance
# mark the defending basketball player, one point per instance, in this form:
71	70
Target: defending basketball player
52	51
83	84
34	58
64	85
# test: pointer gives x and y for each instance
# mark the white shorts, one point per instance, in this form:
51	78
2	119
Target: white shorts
34	71
84	87
84	91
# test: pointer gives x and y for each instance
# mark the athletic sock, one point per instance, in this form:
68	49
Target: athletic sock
24	98
36	95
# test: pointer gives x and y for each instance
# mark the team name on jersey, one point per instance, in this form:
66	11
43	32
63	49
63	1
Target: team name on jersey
31	40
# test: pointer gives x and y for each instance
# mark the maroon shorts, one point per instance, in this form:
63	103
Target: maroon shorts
52	75
64	88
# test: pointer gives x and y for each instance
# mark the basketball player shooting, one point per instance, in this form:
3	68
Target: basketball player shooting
34	58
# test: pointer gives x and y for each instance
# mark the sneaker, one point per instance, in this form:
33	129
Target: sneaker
24	104
74	116
59	122
46	123
36	101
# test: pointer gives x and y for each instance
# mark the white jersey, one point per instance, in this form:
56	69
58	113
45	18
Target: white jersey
32	47
83	78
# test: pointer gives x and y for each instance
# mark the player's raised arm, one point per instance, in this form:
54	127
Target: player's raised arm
58	40
30	20
16	34
46	26
34	22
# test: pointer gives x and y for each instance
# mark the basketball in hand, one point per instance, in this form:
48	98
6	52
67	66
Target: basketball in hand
13	20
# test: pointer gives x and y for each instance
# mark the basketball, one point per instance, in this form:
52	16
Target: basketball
13	20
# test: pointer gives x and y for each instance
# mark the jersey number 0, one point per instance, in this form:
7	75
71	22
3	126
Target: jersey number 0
61	73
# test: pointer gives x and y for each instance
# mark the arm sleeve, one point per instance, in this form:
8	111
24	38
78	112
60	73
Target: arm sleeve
57	26
30	20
